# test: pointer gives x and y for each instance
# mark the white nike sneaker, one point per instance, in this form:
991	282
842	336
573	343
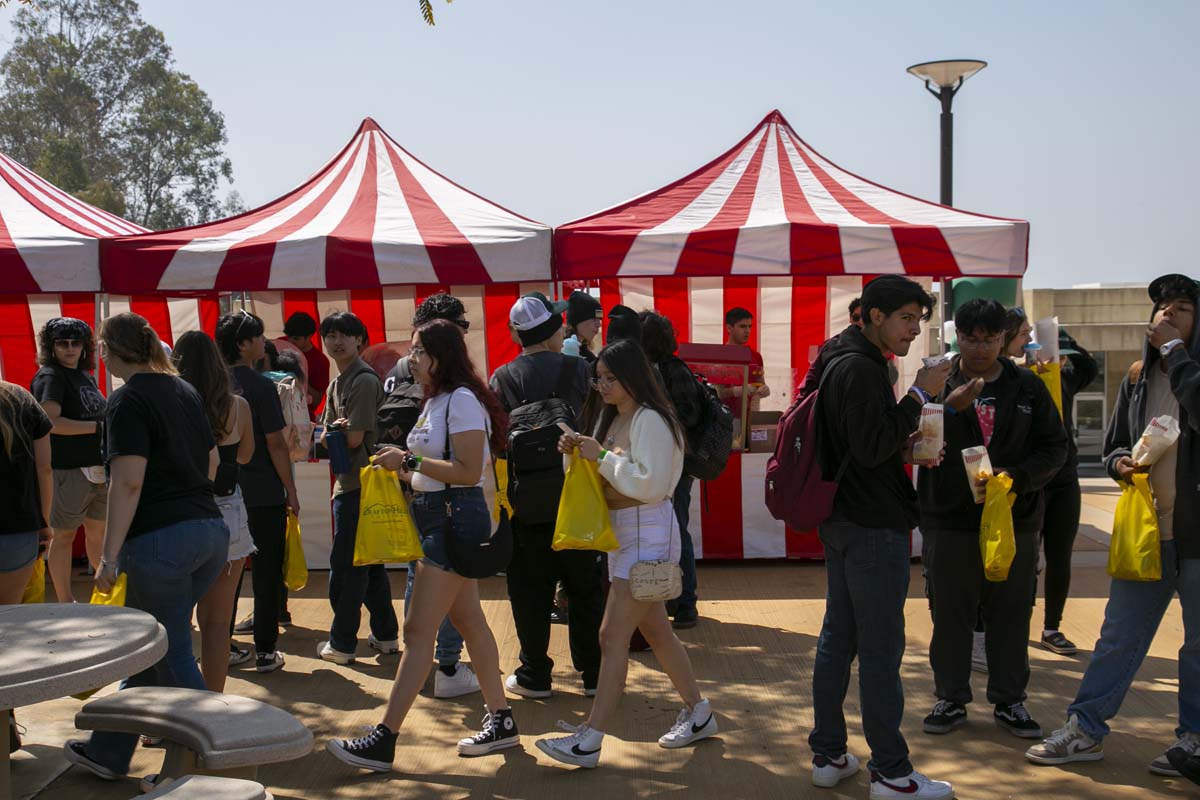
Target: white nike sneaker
691	725
1068	743
828	773
913	785
580	749
463	681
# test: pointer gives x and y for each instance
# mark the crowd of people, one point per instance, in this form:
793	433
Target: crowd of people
186	470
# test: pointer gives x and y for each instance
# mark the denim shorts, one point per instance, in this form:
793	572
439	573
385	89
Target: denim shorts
17	551
469	519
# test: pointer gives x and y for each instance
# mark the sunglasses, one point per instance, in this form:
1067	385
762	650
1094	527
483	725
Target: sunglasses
246	317
69	343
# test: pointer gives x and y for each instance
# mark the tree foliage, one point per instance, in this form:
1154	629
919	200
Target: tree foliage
90	98
426	10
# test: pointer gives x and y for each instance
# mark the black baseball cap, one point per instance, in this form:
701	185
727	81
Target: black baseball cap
1171	287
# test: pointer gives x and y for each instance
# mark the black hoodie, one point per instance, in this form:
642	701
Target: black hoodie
857	413
1029	442
1129	421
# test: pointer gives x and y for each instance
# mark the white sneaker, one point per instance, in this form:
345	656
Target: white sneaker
828	773
692	724
325	650
386	647
1189	743
580	749
1068	743
463	681
513	685
914	785
979	652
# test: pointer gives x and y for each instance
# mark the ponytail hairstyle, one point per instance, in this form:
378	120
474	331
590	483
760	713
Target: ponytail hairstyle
200	364
13	436
444	342
130	338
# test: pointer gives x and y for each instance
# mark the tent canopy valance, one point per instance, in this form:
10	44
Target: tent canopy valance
48	239
772	205
373	216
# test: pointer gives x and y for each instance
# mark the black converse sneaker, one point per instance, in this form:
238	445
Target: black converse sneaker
1016	720
945	717
375	751
499	731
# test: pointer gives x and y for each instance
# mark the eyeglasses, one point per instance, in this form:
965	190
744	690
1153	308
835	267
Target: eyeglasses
465	324
979	344
603	383
246	317
69	343
416	351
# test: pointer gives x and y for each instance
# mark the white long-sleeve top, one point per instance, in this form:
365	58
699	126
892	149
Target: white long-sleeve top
651	468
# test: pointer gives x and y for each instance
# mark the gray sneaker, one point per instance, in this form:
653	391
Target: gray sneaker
1065	745
1189	744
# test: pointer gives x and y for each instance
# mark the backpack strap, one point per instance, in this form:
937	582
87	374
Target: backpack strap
829	368
566	378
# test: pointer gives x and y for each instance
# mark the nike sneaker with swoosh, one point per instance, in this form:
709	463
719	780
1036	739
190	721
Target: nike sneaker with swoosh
1065	745
580	749
692	725
829	772
913	785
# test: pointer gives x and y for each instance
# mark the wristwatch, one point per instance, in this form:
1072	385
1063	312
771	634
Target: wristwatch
412	463
1169	346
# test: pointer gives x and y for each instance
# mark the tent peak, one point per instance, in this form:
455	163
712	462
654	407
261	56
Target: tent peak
369	124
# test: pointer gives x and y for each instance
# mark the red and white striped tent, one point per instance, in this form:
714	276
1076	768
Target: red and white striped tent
774	227
373	216
772	205
49	261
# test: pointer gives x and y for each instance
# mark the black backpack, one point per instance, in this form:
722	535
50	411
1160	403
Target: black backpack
399	412
535	467
710	440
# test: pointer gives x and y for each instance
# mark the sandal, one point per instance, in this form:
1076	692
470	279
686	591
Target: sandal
1057	643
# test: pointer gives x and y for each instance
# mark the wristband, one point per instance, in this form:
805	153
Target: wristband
600	457
925	396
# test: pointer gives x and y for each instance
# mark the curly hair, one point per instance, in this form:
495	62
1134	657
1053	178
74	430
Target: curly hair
78	329
438	306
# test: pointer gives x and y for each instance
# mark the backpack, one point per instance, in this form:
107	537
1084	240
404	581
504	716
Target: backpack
399	411
535	467
710	440
795	491
297	424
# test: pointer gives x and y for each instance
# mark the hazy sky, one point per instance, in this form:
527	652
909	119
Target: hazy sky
1082	123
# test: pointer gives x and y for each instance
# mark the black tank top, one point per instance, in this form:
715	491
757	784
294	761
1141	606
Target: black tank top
225	483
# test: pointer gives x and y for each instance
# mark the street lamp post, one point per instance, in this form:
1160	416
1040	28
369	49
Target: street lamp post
948	77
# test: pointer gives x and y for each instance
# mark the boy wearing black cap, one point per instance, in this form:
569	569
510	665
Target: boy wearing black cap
584	315
1165	382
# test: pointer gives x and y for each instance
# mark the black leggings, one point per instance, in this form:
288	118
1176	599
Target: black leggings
1060	525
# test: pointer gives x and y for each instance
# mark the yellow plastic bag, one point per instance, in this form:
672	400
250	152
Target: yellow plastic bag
502	490
295	568
114	596
35	590
997	542
386	532
1133	552
1051	375
583	522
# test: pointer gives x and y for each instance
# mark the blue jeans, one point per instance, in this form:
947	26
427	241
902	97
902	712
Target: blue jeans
169	570
449	640
1131	618
867	576
687	550
351	587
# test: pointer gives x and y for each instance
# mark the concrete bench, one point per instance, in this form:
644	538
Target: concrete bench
208	787
204	732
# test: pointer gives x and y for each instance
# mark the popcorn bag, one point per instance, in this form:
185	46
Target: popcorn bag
1159	437
978	465
929	446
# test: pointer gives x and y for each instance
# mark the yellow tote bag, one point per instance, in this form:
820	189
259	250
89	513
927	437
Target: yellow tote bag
295	568
502	490
583	522
386	532
997	542
114	596
1133	552
35	590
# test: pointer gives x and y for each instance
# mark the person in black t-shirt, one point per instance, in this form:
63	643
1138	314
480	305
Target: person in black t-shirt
268	487
536	569
68	393
165	531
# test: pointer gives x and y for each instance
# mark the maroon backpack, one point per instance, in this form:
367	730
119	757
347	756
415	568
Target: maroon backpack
795	491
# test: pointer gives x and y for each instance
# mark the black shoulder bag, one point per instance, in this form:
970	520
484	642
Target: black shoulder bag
468	556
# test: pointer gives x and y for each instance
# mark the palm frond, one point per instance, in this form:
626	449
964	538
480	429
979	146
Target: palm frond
427	11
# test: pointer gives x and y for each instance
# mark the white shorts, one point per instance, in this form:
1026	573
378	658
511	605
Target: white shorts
233	511
645	533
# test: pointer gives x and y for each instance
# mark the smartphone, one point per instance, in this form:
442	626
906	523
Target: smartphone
565	428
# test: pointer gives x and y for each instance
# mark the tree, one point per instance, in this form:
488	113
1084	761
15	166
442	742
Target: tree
426	10
89	98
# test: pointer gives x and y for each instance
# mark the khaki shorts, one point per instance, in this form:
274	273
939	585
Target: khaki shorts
76	498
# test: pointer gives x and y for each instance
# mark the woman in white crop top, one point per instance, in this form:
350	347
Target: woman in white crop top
639	446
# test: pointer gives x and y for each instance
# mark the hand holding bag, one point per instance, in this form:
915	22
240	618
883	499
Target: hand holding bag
386	533
997	541
295	568
1134	552
583	522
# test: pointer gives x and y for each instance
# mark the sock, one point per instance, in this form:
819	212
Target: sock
449	670
1048	632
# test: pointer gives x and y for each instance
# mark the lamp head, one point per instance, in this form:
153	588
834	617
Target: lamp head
947	74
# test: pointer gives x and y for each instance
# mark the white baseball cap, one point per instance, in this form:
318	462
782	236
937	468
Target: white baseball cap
533	310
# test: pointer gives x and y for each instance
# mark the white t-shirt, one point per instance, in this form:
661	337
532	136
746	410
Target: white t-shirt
428	436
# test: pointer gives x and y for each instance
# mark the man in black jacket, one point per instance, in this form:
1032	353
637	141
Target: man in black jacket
991	402
1165	382
865	436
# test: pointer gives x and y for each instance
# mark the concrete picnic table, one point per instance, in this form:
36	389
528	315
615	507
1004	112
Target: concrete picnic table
51	650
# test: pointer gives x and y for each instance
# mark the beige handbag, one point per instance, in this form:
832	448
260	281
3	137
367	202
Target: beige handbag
655	581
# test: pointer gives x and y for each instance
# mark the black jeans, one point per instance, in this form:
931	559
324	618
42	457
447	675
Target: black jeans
532	576
962	591
351	587
687	550
268	529
1059	528
867	584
